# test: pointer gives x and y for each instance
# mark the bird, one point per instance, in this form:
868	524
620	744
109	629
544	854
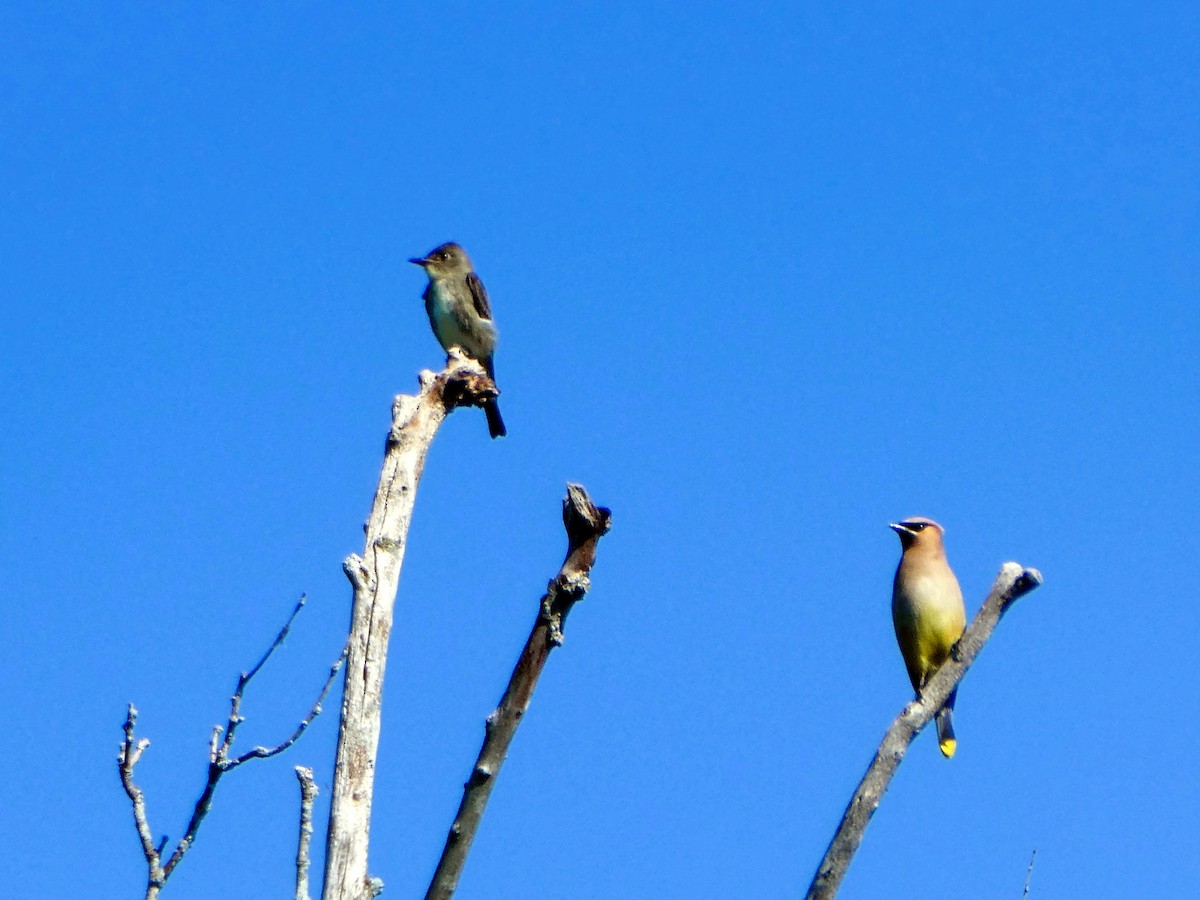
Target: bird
927	611
460	315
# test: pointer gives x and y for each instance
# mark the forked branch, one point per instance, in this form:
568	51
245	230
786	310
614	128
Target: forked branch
220	761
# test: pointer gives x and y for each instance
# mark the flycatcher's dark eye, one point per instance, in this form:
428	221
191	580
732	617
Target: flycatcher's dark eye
917	526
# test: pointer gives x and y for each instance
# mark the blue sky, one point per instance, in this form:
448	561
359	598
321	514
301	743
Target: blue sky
766	278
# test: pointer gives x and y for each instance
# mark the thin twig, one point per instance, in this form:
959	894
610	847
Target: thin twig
308	791
1029	874
1012	582
585	524
317	708
235	716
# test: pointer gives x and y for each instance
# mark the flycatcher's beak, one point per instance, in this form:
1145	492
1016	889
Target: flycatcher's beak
898	528
420	261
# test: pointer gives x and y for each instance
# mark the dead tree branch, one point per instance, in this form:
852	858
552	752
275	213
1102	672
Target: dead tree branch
130	752
374	577
1012	583
219	762
585	525
1029	874
308	792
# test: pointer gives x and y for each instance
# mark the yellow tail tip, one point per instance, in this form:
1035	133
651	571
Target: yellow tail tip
948	746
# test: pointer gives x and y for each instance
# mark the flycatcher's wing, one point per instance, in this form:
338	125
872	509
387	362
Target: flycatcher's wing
479	295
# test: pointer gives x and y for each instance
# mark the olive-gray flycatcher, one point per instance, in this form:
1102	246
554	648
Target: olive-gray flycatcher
460	314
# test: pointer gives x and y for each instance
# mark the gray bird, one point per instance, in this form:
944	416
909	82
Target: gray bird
460	314
928	612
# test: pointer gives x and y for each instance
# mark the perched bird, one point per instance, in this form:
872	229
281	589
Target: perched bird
460	314
928	611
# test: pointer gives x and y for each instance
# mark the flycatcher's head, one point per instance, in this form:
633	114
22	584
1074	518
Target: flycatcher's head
448	259
919	532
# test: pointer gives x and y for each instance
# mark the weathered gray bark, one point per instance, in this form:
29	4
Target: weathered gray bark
1012	583
308	792
374	577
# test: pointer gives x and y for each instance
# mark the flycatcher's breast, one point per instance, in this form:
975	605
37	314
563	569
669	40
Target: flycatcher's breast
455	323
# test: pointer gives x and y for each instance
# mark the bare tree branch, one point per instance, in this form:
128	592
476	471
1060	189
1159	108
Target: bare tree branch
585	525
1029	874
127	758
316	710
308	791
219	762
1012	583
374	577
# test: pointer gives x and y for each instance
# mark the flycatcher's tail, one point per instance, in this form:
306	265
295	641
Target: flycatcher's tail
495	423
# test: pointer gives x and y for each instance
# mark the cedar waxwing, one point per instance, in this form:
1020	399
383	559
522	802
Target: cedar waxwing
928	611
